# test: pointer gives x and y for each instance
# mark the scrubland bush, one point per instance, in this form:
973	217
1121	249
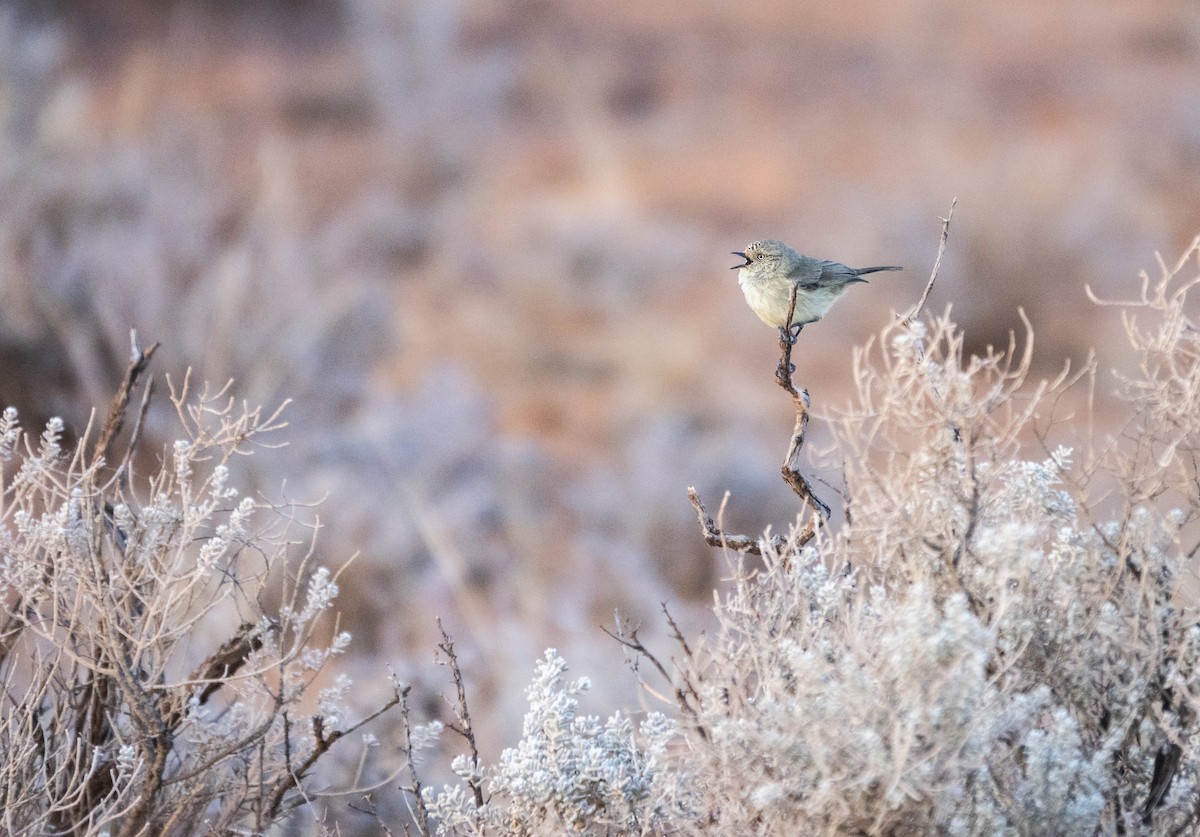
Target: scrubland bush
991	643
148	685
569	772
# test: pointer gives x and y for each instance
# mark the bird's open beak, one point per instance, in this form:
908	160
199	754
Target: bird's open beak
744	256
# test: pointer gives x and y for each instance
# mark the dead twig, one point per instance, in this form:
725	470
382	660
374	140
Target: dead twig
907	319
139	359
788	335
461	714
323	740
686	696
791	463
218	669
713	535
783	375
419	810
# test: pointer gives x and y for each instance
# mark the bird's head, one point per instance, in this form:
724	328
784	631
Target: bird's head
768	253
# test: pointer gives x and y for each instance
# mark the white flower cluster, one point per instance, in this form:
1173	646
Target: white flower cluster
569	773
322	590
34	465
10	432
331	702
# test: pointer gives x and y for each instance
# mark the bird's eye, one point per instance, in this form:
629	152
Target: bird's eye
758	256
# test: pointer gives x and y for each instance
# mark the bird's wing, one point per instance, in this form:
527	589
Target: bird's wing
806	273
835	273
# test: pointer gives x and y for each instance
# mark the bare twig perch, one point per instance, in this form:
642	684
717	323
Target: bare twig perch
800	400
462	714
791	463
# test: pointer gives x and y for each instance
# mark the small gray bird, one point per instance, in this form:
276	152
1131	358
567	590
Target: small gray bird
772	268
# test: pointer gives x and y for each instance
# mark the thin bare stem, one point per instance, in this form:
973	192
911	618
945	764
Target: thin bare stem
933	274
139	359
464	727
420	811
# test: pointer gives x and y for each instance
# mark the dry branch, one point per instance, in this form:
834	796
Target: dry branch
418	808
686	696
139	359
462	714
937	264
790	469
713	535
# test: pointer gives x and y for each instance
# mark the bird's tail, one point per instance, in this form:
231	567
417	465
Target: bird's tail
860	271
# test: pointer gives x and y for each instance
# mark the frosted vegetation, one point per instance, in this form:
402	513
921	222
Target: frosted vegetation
998	636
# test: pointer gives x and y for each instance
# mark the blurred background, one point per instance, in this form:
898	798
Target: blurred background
484	246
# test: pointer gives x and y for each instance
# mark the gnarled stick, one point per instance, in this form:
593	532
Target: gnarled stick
713	535
800	399
791	463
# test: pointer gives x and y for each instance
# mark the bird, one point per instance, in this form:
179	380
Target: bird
770	271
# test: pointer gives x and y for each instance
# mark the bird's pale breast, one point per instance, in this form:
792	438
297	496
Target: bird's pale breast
770	300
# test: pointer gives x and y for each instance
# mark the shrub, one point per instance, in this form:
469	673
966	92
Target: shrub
569	772
990	643
1000	637
115	585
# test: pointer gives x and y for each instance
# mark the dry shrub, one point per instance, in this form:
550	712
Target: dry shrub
991	643
115	585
